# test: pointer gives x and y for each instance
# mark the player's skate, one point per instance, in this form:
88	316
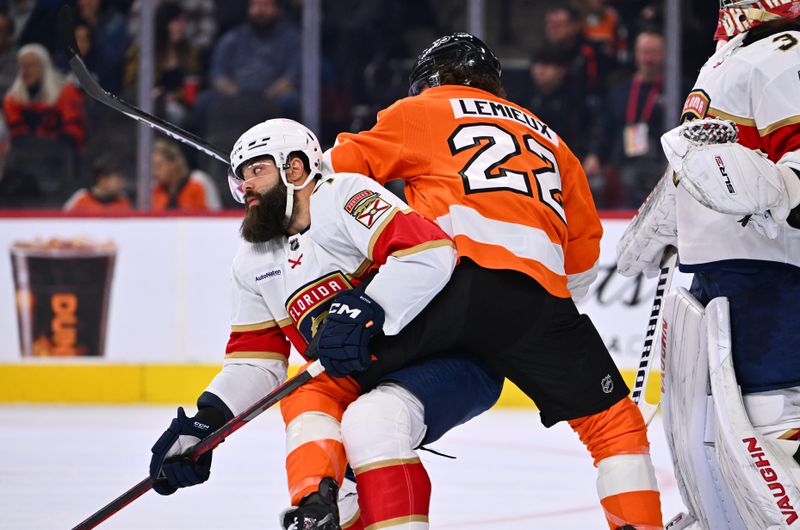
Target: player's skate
317	511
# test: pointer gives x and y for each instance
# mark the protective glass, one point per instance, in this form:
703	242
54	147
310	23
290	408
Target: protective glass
248	170
236	186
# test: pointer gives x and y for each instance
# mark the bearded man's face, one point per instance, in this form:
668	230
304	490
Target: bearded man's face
265	218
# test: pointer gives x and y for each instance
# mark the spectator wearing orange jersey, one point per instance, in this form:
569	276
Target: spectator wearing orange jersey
176	186
40	103
108	192
603	28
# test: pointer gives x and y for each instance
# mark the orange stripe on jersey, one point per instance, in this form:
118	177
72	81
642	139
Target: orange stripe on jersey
500	258
406	231
458	146
259	340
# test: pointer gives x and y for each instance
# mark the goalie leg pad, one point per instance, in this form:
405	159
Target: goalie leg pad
685	402
776	415
761	483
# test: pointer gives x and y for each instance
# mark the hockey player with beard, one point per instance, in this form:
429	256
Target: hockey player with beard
732	372
309	238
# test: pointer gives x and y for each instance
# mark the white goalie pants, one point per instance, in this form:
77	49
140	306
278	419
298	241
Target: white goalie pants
733	454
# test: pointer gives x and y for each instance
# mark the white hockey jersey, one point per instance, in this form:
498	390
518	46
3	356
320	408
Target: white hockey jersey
282	288
757	86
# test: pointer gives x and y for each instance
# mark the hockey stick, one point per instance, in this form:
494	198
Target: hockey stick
208	443
89	84
667	268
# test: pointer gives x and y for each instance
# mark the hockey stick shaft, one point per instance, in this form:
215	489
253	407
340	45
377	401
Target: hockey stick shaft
667	269
208	443
90	85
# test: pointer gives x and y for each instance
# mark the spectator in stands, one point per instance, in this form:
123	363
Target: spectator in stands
8	53
177	65
85	42
603	28
634	121
40	103
47	127
257	62
110	31
176	186
108	192
562	31
200	17
558	103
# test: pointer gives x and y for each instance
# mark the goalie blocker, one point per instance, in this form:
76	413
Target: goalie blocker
733	461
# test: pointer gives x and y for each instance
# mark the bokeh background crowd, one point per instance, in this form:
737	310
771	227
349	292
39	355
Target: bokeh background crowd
591	69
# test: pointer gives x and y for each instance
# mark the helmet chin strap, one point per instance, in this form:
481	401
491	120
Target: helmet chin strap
289	202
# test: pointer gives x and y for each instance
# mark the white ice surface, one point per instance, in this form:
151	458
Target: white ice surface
59	465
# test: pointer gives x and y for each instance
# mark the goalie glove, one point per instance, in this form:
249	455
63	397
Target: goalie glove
652	230
729	178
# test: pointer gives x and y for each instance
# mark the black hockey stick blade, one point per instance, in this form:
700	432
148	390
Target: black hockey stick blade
89	84
209	443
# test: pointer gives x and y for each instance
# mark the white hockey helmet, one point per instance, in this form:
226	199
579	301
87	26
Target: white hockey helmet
278	138
738	16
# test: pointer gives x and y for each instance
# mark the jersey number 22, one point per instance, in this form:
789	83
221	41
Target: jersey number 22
485	172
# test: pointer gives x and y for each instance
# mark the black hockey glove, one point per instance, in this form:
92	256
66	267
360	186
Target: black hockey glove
343	345
168	468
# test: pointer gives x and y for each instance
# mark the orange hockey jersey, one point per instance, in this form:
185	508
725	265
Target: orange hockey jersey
495	177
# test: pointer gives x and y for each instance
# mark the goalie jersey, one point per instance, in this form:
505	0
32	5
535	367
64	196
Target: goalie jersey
754	83
283	288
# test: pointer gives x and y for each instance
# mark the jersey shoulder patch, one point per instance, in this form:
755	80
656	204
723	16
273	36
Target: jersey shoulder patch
696	105
367	206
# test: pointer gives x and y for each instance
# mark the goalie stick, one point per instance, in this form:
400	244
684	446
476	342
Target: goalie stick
208	443
89	84
667	268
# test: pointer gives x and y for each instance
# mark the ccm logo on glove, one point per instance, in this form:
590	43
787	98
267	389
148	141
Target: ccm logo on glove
342	309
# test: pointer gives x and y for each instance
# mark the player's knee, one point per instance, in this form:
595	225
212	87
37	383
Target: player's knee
291	407
378	426
617	430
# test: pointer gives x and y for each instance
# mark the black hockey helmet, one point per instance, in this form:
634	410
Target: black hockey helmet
461	53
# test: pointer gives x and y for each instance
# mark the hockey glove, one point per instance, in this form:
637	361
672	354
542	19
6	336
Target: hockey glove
343	346
168	468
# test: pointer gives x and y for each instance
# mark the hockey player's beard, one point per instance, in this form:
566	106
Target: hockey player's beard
266	220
